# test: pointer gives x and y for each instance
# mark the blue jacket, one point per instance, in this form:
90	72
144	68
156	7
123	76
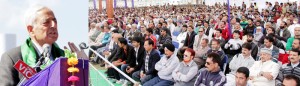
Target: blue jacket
210	78
106	38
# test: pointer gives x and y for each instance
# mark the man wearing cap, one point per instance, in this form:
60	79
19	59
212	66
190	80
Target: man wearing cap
186	72
264	72
292	68
165	66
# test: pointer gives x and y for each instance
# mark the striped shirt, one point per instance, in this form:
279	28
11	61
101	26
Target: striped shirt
287	69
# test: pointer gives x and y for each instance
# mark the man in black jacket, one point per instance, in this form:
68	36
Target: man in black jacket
139	52
254	49
147	70
124	56
188	42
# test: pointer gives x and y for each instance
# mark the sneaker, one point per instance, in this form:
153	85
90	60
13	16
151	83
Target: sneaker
126	83
113	80
121	81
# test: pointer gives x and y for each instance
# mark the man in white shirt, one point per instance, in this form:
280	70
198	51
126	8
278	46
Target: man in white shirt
240	60
264	72
292	27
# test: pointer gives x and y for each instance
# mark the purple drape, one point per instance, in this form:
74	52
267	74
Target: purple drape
115	3
94	4
57	75
132	1
228	10
125	3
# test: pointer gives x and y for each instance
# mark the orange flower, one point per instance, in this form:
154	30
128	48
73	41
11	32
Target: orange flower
73	69
72	61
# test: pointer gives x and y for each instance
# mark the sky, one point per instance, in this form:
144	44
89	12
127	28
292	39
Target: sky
71	15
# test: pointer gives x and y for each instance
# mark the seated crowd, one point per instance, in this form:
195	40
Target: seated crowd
197	45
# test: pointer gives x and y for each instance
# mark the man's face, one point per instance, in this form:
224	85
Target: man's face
236	35
218	34
159	26
119	44
281	25
162	32
151	25
214	45
249	39
265	57
269	30
297	31
294	57
203	43
201	31
147	46
147	33
268	43
44	30
183	28
295	44
245	52
135	44
205	24
240	79
190	29
210	65
168	53
289	82
187	56
164	25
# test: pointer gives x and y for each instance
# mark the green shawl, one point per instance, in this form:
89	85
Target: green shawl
30	57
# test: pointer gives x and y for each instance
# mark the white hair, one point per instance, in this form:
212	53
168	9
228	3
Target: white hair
297	26
31	14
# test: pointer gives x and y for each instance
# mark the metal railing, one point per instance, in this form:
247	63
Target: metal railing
113	66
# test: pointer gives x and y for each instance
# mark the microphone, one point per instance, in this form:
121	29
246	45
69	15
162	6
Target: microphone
83	45
26	70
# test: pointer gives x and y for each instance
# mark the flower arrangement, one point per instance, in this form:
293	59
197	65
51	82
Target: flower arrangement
72	61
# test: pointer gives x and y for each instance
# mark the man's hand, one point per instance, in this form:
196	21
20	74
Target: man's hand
267	75
142	75
80	53
129	70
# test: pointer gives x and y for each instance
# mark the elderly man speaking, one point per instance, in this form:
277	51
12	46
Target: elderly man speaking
41	26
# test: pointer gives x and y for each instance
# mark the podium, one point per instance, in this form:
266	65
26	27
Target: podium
57	74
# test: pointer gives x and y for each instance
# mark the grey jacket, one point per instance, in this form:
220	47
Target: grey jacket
9	75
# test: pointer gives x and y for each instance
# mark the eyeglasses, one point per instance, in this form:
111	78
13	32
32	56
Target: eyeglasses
185	55
200	31
208	63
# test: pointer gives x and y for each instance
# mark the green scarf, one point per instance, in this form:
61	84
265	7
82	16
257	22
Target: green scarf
29	55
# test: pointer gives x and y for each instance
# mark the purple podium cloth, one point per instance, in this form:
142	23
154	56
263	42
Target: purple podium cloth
57	74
